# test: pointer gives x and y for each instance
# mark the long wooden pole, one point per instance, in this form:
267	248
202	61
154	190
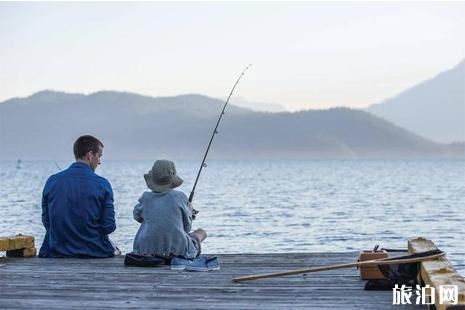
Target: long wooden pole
375	262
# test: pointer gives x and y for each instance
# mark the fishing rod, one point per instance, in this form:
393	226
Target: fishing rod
215	131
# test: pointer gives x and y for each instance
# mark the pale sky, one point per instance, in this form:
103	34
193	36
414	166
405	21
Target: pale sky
305	55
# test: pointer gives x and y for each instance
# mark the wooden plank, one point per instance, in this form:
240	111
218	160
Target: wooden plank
27	252
16	243
438	273
161	302
4	243
107	283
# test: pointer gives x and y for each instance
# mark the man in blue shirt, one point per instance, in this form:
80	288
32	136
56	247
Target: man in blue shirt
77	207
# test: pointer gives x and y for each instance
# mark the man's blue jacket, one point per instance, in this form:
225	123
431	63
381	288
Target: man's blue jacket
78	214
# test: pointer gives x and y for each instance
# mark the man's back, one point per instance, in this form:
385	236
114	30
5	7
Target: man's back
78	214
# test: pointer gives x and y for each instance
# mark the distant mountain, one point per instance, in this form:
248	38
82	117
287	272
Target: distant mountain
44	126
434	109
257	106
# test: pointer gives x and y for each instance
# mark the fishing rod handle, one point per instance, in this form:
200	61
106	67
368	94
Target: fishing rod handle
194	211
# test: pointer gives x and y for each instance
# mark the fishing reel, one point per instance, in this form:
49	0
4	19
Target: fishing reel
194	213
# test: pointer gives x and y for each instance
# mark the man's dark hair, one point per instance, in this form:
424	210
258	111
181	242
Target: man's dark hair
86	144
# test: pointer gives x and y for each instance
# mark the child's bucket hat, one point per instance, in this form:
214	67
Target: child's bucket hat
162	177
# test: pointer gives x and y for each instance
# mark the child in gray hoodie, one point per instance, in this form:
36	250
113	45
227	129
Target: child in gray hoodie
166	217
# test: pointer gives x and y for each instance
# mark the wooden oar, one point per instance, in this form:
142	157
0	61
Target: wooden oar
375	262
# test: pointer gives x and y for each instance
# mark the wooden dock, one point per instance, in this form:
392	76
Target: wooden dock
438	273
36	283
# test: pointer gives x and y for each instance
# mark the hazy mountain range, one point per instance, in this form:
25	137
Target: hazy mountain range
434	109
45	125
257	106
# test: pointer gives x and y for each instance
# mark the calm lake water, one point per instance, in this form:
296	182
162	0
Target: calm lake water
278	206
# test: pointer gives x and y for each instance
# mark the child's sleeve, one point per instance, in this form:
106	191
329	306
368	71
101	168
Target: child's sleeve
137	213
186	214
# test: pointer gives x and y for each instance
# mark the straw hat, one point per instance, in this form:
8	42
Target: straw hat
162	177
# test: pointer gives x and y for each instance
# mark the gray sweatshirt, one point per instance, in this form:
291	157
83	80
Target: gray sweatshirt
165	221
